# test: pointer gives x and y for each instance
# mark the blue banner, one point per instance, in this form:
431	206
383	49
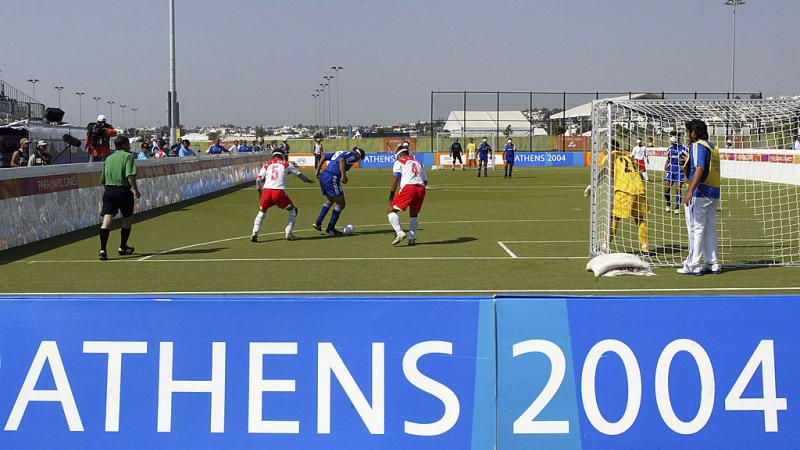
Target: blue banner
548	159
385	160
635	373
244	373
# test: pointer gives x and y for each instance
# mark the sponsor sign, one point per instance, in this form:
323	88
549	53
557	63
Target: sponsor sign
699	372
245	373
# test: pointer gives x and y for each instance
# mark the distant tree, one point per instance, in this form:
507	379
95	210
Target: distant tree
507	131
212	135
260	132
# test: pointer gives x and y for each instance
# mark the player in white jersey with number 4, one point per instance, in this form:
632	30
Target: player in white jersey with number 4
271	185
409	175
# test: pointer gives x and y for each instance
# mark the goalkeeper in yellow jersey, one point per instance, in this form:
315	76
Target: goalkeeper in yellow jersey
630	199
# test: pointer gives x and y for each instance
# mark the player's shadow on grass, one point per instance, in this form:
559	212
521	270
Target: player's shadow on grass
322	236
458	240
188	251
35	248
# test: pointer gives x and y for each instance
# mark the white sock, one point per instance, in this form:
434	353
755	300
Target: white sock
292	220
257	223
413	223
394	221
644	175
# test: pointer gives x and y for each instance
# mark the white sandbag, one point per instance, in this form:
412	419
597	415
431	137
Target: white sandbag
618	264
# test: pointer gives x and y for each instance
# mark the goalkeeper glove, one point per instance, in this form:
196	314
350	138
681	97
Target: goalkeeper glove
391	195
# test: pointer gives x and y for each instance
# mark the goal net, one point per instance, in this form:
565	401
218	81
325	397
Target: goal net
758	220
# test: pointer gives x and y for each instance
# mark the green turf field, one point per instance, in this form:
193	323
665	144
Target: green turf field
540	217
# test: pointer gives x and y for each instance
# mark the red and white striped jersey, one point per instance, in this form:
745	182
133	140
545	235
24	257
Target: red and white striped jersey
410	171
273	174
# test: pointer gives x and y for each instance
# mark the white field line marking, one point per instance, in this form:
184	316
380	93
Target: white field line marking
454	186
312	259
145	258
421	291
545	242
510	253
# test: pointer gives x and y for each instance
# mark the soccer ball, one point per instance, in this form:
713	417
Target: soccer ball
349	228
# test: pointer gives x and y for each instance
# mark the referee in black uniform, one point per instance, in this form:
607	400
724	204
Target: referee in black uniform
119	179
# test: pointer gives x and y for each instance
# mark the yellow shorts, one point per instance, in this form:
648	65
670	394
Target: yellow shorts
628	205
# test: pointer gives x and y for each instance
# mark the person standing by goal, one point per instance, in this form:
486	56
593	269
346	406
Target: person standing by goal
455	155
639	155
702	169
673	174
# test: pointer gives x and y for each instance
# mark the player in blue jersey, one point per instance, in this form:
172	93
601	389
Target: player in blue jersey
673	174
508	157
484	153
330	182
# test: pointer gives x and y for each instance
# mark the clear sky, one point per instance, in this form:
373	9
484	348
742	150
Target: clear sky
258	61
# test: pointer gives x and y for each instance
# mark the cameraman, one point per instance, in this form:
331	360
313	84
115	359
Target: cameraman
98	135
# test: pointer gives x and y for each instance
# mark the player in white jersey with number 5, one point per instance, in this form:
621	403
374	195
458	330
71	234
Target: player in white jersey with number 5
409	175
271	184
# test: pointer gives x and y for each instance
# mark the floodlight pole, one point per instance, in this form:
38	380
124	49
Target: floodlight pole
134	117
59	89
173	110
337	69
97	104
80	107
734	3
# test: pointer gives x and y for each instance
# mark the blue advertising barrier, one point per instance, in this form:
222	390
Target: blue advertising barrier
644	373
399	373
549	159
245	373
385	160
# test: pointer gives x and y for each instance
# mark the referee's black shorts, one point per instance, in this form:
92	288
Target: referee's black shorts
117	199
457	157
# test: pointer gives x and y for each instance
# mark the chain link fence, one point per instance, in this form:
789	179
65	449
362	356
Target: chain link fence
536	121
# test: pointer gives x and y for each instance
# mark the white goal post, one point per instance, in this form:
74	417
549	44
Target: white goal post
758	222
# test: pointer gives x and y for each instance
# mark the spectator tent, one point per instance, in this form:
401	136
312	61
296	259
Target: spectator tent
480	123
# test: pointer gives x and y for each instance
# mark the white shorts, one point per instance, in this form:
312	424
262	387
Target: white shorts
472	156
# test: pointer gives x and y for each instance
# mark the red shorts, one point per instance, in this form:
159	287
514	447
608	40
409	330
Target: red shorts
411	195
274	197
642	167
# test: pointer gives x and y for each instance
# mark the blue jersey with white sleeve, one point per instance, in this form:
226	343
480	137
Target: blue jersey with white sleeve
350	157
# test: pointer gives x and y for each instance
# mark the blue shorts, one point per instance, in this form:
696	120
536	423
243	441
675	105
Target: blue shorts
510	162
330	184
675	177
483	157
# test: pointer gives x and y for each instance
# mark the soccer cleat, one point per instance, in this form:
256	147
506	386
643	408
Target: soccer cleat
290	237
479	175
676	211
399	238
667	208
714	269
102	256
123	251
644	254
684	271
254	238
333	232
317	227
412	242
